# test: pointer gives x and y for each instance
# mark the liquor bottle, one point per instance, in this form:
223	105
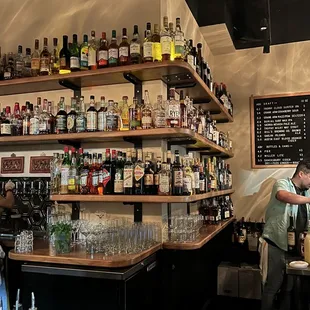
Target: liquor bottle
125	114
188	177
84	53
103	52
291	236
191	56
112	117
164	179
65	172
75	55
45	59
2	65
64	57
135	115
173	110
108	177
71	117
159	112
138	182
165	40
92	52
55	174
72	174
135	47
148	45
94	175
147	112
52	119
148	177
17	122
19	63
119	175
9	71
128	174
229	175
6	128
35	59
102	115
199	62
54	65
172	35
27	63
26	121
113	50
61	118
156	52
156	174
44	120
91	116
195	168
202	180
84	188
177	176
35	121
81	121
183	110
124	49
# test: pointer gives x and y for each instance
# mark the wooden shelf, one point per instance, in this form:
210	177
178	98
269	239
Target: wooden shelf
43	253
207	233
138	198
173	73
181	135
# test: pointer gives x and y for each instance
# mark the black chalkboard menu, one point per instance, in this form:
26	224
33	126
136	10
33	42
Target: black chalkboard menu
280	130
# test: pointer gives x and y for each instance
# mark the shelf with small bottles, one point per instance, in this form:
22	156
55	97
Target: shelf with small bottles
116	176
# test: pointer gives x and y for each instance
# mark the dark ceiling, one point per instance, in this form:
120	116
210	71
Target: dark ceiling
289	19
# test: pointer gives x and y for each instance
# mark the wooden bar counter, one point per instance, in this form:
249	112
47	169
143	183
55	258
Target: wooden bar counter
206	234
43	253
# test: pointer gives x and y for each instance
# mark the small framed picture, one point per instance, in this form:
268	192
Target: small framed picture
40	164
13	164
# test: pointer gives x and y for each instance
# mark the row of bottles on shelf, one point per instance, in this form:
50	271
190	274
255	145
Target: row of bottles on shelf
217	209
111	116
129	173
247	233
158	45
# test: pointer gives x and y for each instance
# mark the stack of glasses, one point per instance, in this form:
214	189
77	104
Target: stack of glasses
24	242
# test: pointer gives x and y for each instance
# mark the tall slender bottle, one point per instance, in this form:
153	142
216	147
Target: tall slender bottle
103	52
45	59
139	175
165	40
75	55
64	57
61	118
128	174
35	59
179	41
177	176
92	52
123	50
148	45
113	50
172	35
156	44
135	47
55	57
84	53
91	116
291	236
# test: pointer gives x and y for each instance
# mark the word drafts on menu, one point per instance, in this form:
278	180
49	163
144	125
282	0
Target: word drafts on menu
281	132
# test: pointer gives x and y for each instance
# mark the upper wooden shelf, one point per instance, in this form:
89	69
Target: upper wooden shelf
206	234
173	73
139	198
185	137
43	253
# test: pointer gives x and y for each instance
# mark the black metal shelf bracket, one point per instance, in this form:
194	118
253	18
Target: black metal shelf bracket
137	212
68	84
75	144
137	84
137	142
179	142
188	208
75	211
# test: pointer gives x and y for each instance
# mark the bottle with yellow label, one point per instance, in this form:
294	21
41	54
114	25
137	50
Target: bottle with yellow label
172	35
156	44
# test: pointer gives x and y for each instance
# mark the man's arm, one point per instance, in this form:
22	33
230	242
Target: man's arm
291	198
8	201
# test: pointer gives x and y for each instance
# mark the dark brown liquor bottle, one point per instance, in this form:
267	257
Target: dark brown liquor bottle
84	171
199	61
123	50
61	118
45	59
108	183
103	52
64	57
291	236
128	174
139	170
148	177
177	176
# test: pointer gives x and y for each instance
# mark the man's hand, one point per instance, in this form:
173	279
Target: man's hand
9	186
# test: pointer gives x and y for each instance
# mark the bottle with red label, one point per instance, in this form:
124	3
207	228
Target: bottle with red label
103	52
84	178
94	176
108	183
138	175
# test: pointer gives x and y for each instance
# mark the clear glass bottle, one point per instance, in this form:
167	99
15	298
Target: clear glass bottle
165	40
81	116
125	114
123	50
113	50
26	120
112	117
84	53
148	45
19	63
156	44
102	115
45	59
91	116
135	47
75	55
35	59
147	112
159	113
179	41
35	122
164	179
44	120
27	63
92	52
173	110
9	71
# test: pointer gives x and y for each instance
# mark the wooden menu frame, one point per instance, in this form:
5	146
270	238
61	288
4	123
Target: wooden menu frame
252	98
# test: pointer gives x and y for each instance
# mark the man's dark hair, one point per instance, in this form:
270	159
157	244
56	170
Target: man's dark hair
304	166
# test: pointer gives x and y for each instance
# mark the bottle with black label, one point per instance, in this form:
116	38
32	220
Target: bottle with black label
91	116
61	118
291	236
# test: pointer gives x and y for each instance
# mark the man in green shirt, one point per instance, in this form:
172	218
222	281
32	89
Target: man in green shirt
288	197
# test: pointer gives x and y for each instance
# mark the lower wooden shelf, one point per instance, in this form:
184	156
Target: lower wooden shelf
207	233
43	253
138	198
